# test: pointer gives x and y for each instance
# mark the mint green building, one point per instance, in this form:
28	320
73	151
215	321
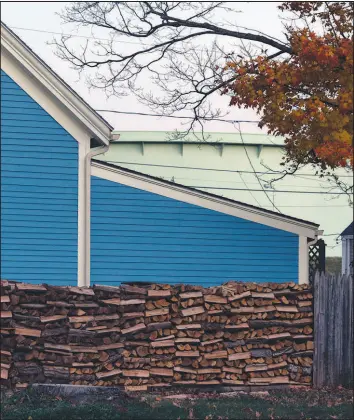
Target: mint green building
223	165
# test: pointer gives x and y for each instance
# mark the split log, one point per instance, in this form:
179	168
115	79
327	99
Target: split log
191	295
157	312
159	293
28	332
239	296
222	354
189	327
161	372
239	356
193	311
215	299
136	328
30	287
110	373
82	291
138	373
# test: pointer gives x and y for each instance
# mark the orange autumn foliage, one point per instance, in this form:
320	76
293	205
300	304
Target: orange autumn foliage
307	95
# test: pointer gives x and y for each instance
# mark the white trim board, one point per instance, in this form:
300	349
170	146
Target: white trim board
303	260
198	198
49	91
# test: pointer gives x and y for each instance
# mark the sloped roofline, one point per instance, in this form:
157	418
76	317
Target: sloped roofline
191	195
79	109
348	230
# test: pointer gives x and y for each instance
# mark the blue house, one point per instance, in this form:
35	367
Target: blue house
69	219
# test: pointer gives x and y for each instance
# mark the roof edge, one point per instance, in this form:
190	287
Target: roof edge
292	224
76	105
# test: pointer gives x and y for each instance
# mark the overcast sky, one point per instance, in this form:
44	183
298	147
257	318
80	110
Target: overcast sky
42	16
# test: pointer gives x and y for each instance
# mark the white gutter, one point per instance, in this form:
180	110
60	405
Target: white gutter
87	237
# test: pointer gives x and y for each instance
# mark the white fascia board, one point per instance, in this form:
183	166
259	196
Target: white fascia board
49	91
197	198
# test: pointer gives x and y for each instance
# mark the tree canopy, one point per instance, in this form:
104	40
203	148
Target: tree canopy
301	85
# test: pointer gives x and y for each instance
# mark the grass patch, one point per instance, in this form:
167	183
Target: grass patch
294	404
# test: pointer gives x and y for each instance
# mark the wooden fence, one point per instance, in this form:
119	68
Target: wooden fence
333	329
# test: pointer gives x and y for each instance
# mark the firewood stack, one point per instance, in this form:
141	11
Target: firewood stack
157	335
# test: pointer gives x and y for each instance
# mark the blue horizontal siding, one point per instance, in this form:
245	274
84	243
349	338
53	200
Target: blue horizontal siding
39	192
140	236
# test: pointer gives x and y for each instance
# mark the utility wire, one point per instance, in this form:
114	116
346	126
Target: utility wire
276	191
175	116
236	182
306	206
208	169
79	36
254	170
259	204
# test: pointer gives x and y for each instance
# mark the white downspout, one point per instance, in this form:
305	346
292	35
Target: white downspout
87	255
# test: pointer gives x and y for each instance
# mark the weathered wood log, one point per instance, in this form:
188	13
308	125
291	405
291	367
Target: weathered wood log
243	310
215	299
239	296
193	311
261	353
81	319
139	373
59	304
30	332
220	354
109	373
158	326
28	369
58	372
191	295
157	312
81	291
133	289
269	295
274	380
159	293
30	287
187	353
135	328
240	356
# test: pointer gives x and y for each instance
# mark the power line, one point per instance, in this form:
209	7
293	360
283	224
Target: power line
276	191
207	169
175	116
254	171
236	182
306	206
79	36
259	204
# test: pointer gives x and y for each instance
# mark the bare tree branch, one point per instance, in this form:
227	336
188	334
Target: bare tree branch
183	52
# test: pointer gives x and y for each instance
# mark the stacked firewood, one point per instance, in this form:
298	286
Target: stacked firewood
155	335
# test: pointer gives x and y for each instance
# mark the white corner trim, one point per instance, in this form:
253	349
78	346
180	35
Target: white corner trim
197	198
303	260
84	148
49	91
84	210
91	153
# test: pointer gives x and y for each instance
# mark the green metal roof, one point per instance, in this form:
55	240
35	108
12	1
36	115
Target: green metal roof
222	138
